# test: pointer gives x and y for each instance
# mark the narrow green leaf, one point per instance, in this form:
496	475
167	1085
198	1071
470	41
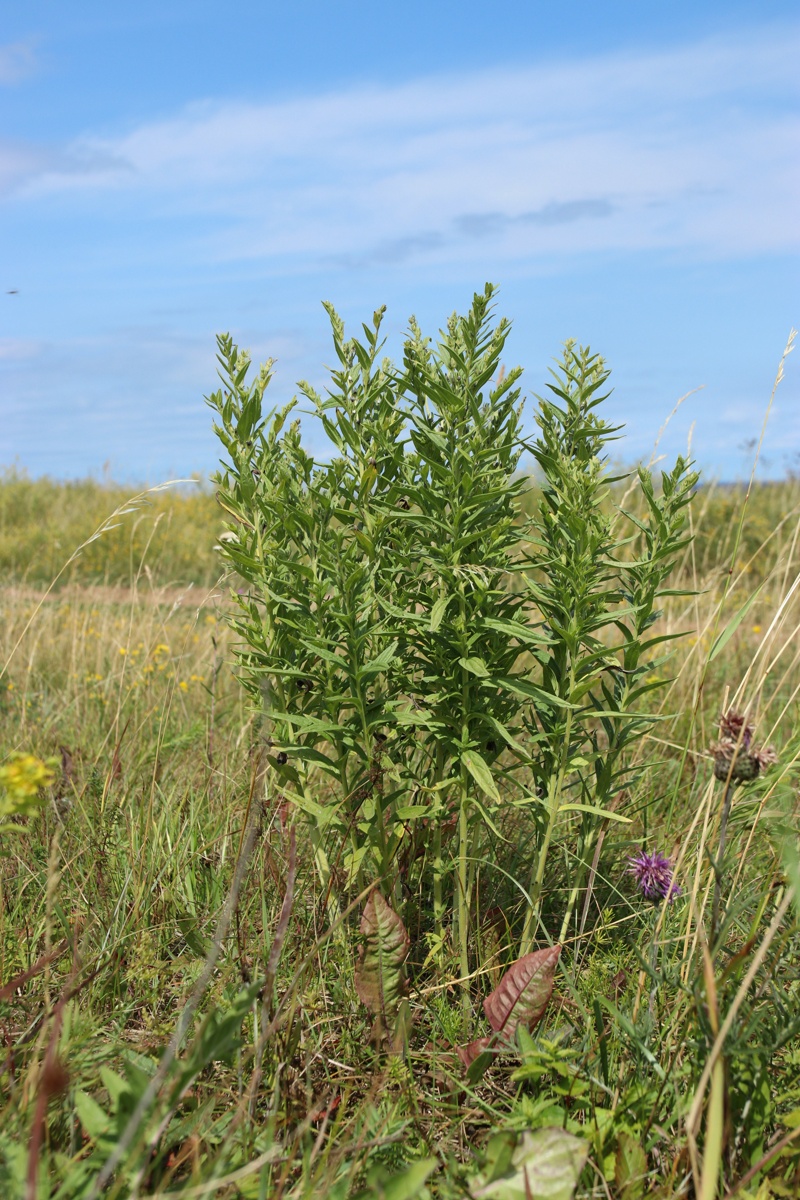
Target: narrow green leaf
309	754
733	625
322	813
522	633
521	687
598	812
479	770
506	735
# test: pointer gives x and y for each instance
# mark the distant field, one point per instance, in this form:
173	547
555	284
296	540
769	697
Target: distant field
123	678
169	540
42	522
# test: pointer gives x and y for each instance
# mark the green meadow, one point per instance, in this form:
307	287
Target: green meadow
402	825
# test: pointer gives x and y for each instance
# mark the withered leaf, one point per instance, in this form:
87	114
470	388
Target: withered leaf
523	993
380	979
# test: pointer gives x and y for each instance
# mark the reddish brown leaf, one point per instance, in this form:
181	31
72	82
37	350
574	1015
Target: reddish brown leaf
618	984
473	1050
523	993
380	978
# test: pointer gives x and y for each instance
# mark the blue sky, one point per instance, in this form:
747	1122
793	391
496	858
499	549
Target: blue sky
627	173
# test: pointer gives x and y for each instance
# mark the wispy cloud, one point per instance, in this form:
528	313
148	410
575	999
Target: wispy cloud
25	165
18	61
691	148
486	224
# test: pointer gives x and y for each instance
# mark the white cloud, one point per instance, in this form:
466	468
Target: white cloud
17	62
693	148
18	349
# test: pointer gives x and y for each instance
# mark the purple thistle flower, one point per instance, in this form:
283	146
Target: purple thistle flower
653	875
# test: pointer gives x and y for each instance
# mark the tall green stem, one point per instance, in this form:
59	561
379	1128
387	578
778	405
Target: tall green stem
438	861
462	907
585	845
554	793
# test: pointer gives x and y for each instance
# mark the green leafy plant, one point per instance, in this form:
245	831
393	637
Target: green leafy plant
423	657
597	588
377	627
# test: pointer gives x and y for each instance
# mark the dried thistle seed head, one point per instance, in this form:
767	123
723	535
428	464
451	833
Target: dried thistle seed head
733	764
736	728
766	756
736	757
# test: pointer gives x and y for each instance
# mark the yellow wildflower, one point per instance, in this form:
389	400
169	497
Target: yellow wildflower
22	777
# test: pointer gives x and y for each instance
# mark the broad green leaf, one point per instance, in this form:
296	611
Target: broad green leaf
479	770
734	623
438	611
545	1165
630	1167
408	1185
114	1084
476	666
94	1120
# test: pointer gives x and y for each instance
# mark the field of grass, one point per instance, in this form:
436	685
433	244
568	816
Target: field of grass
181	998
122	878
